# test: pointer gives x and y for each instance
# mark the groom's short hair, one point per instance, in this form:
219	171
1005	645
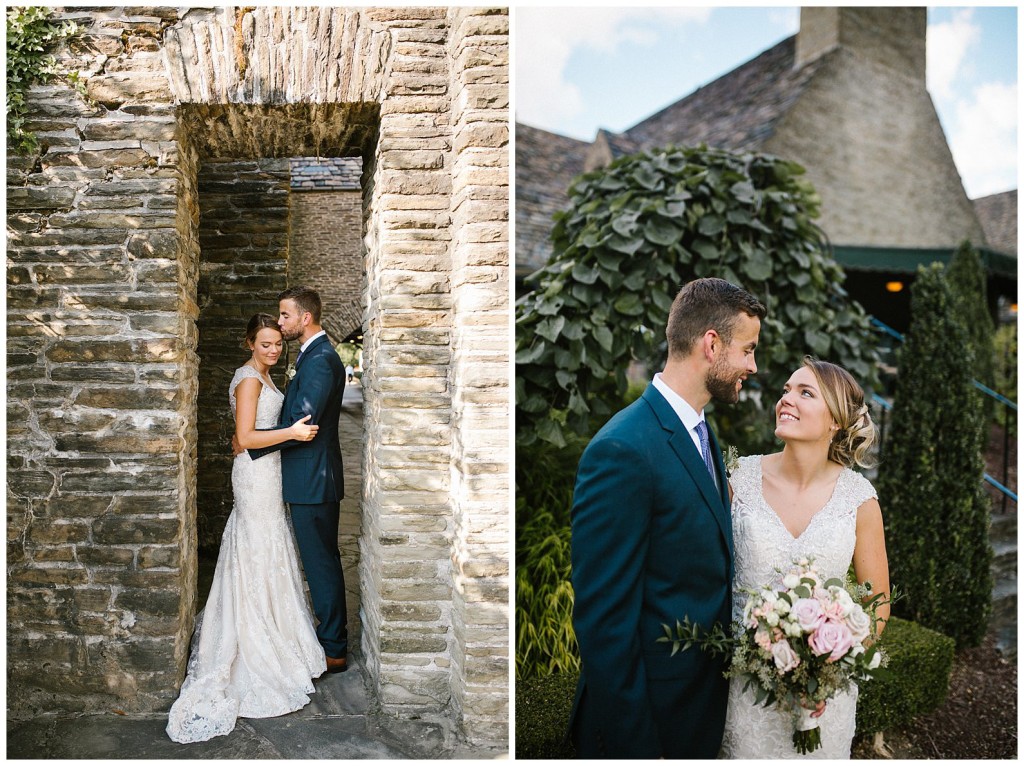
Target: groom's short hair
306	298
707	304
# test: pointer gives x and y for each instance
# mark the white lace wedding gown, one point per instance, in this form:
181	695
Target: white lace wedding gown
764	545
255	649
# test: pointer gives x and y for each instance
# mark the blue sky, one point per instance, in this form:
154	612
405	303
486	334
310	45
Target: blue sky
579	69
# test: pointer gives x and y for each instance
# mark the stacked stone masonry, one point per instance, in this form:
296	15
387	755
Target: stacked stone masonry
326	238
120	277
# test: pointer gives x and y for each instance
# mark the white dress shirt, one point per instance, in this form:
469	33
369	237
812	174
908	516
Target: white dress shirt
305	345
687	414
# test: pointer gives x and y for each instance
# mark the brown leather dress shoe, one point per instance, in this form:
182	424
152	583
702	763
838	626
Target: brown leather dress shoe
336	664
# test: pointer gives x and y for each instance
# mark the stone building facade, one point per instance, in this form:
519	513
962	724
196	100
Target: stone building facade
132	254
846	98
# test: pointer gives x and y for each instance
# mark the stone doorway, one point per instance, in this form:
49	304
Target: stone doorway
265	224
107	299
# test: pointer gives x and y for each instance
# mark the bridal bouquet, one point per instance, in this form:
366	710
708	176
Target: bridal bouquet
801	641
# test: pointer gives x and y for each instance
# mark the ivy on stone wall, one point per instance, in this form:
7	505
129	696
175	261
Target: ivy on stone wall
638	230
31	34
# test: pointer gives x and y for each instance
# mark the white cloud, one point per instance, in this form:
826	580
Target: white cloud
948	43
545	39
984	139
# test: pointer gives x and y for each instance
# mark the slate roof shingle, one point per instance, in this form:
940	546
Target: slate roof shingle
998	216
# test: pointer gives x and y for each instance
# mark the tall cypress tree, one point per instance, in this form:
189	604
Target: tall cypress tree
937	515
967	280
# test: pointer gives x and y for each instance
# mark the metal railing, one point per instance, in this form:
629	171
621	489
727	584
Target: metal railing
1008	408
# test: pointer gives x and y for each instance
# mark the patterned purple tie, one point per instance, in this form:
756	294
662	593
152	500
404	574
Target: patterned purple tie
705	449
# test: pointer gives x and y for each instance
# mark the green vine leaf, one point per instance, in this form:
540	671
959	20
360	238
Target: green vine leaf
633	234
32	34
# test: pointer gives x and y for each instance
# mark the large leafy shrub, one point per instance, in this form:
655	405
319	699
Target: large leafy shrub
638	230
937	514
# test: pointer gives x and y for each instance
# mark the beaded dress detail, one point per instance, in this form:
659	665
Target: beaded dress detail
254	650
763	546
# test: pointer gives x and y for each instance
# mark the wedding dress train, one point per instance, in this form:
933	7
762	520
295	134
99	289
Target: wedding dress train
255	649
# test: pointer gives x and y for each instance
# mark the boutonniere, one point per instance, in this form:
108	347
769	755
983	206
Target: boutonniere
290	371
731	458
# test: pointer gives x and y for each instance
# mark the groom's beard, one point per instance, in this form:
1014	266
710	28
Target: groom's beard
293	335
721	384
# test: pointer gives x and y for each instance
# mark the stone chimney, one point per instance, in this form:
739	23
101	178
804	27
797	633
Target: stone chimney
894	37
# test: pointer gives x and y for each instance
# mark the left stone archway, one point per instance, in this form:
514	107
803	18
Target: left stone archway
103	299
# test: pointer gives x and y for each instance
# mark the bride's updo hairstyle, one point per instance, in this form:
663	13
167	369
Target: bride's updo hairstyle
845	401
257	323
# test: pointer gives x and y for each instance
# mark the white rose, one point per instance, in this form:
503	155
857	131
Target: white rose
785	658
792	629
842	597
772	618
859	623
782	606
791	580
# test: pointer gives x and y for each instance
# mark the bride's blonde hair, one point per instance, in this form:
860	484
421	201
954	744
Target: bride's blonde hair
845	401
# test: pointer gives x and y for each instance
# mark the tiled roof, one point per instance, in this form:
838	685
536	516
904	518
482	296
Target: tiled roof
998	216
330	174
546	163
738	111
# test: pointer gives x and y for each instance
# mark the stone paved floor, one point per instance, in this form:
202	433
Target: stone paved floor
339	722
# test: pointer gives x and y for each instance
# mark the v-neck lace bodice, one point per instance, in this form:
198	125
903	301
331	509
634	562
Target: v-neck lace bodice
763	546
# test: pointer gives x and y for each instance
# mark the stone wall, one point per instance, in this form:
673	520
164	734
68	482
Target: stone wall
326	244
102	271
105	287
480	370
243	236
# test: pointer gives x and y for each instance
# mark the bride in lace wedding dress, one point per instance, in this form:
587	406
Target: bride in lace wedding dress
255	650
805	501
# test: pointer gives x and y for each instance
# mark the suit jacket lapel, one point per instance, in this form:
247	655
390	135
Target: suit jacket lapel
692	461
309	350
716	452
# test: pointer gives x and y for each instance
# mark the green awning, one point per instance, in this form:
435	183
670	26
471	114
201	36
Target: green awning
905	260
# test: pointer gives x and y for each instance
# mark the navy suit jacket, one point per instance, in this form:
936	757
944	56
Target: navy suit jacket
311	471
651	543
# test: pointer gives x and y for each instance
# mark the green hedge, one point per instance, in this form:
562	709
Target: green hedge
542	716
920	661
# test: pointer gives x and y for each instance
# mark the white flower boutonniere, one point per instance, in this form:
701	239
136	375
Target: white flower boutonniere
290	371
731	458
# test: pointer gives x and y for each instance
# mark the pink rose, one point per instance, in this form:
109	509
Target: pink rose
808	614
832	638
762	639
833	611
785	658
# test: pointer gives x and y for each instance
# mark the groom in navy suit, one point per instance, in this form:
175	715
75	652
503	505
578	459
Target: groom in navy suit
652	542
312	477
